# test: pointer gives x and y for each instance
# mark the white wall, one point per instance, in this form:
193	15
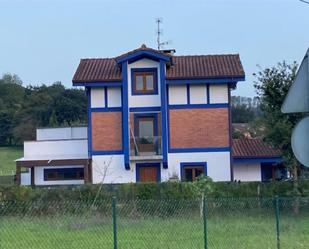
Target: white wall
198	94
25	178
143	100
56	149
110	169
114	97
218	164
39	176
61	133
247	172
177	94
97	97
218	93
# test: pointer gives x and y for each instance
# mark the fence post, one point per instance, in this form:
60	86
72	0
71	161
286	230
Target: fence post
205	222
114	202
277	221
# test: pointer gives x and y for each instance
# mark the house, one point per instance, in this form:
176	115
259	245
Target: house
152	116
254	160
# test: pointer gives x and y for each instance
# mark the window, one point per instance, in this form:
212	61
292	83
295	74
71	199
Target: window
63	174
191	171
144	81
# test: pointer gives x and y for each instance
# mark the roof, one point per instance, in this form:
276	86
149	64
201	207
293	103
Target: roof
253	148
181	67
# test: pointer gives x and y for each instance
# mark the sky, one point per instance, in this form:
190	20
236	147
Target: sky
43	41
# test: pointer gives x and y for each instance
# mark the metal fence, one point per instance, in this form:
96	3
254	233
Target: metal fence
172	224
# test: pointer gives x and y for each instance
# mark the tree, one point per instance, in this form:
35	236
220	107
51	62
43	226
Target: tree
272	86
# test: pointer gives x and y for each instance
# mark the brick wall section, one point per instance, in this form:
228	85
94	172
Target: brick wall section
106	131
199	128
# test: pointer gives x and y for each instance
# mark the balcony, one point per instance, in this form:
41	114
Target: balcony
146	148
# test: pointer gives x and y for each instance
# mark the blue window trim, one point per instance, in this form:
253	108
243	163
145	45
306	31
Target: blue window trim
191	150
192	106
131	57
99	83
258	160
76	169
155	128
150	69
183	165
227	80
141	165
146	109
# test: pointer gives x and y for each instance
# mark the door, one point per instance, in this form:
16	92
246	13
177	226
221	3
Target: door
146	134
148	172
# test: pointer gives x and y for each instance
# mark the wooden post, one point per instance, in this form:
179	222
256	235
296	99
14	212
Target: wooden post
18	176
86	172
32	177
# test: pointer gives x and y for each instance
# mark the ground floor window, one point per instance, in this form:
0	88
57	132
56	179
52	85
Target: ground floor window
191	171
148	172
273	172
60	174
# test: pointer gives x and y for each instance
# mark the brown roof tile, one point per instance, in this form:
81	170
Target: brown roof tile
182	67
253	148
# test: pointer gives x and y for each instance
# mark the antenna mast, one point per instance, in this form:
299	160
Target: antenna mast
159	33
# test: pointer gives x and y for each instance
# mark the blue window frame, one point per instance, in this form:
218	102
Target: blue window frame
144	81
141	166
63	174
191	170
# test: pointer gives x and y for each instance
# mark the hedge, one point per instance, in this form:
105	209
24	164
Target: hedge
166	190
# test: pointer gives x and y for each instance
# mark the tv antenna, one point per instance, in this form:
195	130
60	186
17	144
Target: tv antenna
159	33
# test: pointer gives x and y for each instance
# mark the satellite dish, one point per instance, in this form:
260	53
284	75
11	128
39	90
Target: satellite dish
300	141
297	99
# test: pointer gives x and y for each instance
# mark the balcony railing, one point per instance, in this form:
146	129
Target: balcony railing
146	146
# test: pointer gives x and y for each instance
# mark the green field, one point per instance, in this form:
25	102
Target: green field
7	157
95	231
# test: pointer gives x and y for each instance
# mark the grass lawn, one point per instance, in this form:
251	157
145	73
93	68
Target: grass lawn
7	157
241	231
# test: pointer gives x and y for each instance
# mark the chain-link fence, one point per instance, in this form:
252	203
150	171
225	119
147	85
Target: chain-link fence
172	224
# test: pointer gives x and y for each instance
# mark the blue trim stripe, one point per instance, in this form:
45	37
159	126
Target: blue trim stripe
106	152
192	150
99	84
204	81
258	160
188	94
208	94
125	116
131	57
145	109
183	165
89	126
109	109
142	165
105	97
165	136
192	106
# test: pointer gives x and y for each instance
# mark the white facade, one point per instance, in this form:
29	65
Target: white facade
198	94
177	95
247	172
144	100
218	93
113	97
218	164
61	133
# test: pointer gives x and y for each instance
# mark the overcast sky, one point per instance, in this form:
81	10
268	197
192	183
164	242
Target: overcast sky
43	41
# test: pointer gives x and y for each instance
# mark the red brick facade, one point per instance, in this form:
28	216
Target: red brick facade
199	128
106	130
